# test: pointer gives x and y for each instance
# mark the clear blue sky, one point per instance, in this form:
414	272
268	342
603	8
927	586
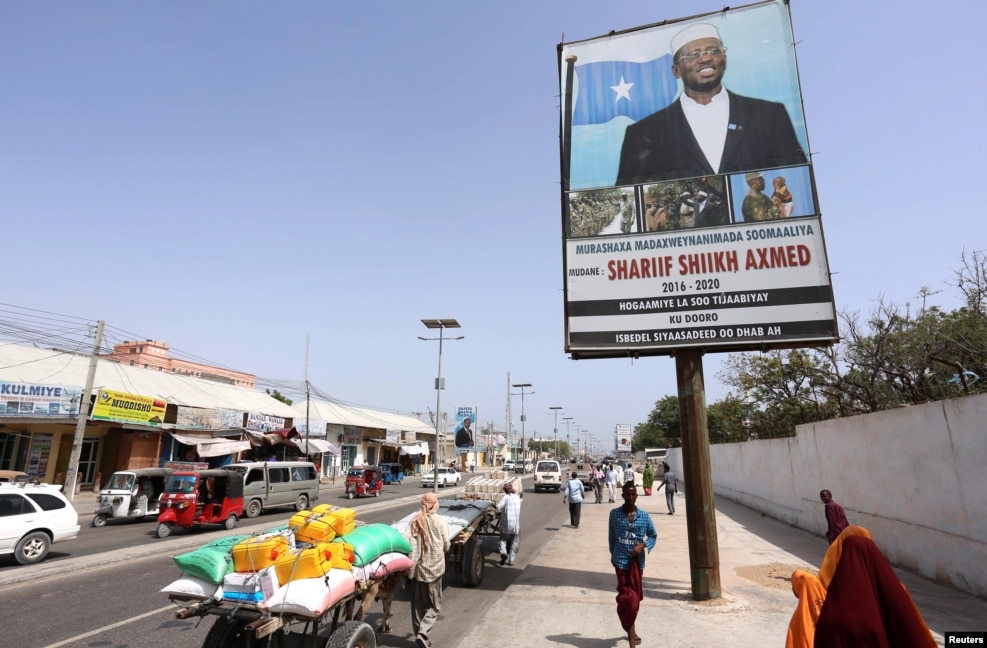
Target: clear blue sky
229	177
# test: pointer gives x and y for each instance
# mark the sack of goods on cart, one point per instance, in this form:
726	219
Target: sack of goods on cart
302	568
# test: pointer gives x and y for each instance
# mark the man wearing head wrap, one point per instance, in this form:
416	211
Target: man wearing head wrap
510	524
428	534
708	130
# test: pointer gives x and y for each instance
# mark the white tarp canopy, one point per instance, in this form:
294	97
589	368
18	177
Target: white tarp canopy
209	446
342	414
415	449
315	446
57	368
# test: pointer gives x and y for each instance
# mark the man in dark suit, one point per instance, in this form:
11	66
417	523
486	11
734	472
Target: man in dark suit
464	435
708	130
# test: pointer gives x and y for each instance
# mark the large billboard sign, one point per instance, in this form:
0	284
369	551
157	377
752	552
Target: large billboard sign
465	416
689	209
128	408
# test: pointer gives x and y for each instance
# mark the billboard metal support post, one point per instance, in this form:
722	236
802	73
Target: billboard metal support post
704	561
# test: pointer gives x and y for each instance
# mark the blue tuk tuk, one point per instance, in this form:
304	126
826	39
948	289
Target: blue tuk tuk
392	473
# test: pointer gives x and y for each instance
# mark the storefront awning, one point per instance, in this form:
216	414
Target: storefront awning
209	446
415	449
316	446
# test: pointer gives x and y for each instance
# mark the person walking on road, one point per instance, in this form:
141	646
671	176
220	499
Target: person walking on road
629	474
835	516
574	491
630	531
597	484
648	478
613	480
429	537
510	524
671	485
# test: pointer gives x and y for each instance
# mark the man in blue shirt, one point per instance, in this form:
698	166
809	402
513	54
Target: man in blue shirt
630	533
574	490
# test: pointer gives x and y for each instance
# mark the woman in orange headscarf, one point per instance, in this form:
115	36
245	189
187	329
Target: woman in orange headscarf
811	595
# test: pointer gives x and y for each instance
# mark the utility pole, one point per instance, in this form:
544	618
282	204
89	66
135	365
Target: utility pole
72	473
568	438
522	386
555	410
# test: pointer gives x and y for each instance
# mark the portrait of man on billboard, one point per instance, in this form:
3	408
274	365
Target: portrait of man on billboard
712	95
464	434
708	129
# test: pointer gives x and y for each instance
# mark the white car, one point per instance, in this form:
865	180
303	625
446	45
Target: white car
509	466
32	517
447	477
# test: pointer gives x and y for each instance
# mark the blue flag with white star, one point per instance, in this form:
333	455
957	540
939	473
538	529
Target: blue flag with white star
609	89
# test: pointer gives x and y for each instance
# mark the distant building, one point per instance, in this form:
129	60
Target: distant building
151	354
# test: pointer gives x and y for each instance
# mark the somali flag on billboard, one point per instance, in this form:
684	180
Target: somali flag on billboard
610	89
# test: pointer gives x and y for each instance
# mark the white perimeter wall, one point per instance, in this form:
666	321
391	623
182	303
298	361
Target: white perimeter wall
913	476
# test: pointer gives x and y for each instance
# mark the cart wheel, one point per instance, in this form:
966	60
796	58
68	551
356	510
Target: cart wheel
227	633
164	529
473	562
349	494
230	522
352	634
99	521
376	493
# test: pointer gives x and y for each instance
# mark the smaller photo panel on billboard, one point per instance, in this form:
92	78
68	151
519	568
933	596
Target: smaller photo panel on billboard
686	204
605	212
772	195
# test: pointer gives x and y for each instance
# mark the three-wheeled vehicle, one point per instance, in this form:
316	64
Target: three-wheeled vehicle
194	497
392	473
131	494
363	480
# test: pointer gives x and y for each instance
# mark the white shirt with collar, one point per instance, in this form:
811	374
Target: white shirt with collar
709	124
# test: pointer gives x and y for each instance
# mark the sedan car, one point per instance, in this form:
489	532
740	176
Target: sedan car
447	477
32	517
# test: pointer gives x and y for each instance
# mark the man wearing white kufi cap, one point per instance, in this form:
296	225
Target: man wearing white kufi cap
708	130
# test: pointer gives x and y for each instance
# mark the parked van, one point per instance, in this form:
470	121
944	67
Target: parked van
270	484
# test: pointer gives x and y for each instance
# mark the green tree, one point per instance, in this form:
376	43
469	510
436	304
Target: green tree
278	396
899	354
661	430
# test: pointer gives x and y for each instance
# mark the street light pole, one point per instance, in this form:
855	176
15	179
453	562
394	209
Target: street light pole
555	410
440	324
568	441
523	417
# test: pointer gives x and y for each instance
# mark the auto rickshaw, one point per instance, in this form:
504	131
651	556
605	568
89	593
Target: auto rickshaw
194	497
131	494
392	473
363	480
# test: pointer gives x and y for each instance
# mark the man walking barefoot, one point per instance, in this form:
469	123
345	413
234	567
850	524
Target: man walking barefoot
630	532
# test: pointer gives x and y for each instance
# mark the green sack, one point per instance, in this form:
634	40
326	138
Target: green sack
225	543
208	563
371	541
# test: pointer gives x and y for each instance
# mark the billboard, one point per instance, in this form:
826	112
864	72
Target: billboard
689	209
128	408
465	415
31	399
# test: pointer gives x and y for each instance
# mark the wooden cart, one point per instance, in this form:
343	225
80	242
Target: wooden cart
466	555
242	625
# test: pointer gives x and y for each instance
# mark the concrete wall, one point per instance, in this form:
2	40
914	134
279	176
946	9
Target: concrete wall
915	477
